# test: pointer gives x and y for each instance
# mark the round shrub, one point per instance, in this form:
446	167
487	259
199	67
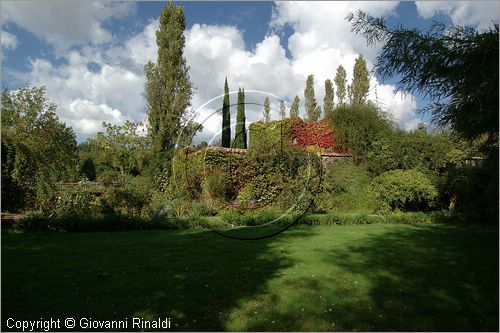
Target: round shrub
406	190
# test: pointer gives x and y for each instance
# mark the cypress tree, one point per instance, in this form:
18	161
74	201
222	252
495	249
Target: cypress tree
240	139
226	118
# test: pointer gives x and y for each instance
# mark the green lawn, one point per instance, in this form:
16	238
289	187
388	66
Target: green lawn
371	277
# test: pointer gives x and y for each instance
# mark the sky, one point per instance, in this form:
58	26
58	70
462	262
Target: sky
90	55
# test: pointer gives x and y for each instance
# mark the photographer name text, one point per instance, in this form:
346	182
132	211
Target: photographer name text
51	324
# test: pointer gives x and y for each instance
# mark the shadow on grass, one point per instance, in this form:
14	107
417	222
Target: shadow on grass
193	277
377	277
416	278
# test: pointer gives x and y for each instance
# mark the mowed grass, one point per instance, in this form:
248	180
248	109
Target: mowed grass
428	277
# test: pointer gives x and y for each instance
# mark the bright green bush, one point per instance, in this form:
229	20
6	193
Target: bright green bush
407	190
272	134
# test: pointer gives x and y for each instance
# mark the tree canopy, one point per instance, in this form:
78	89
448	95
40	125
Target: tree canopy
310	100
168	86
455	66
37	149
294	108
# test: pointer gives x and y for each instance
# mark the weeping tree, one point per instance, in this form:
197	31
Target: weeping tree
454	66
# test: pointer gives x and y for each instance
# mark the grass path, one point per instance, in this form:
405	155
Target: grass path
372	277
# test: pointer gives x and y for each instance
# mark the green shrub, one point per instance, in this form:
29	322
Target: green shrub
78	201
346	187
407	190
201	209
215	188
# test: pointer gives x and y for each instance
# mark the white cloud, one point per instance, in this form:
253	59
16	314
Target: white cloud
86	98
114	92
8	40
479	14
65	23
86	117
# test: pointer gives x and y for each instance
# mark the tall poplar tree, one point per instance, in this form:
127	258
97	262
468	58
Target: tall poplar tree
358	90
328	100
226	118
267	110
240	138
310	100
168	87
282	109
294	108
341	83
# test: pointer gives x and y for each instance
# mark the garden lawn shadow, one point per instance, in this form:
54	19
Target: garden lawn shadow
363	277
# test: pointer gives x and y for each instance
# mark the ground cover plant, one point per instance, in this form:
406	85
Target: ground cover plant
425	277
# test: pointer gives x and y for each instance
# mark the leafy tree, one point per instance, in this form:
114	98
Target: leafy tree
294	108
226	117
282	109
267	110
317	112
328	100
358	127
310	100
358	90
410	150
168	87
122	149
37	149
240	139
455	66
341	82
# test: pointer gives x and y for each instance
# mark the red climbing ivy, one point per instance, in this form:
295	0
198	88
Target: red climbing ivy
314	133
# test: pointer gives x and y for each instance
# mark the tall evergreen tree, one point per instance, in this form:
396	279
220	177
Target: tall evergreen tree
226	118
240	139
341	83
168	87
358	90
282	109
294	108
328	100
310	99
267	110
